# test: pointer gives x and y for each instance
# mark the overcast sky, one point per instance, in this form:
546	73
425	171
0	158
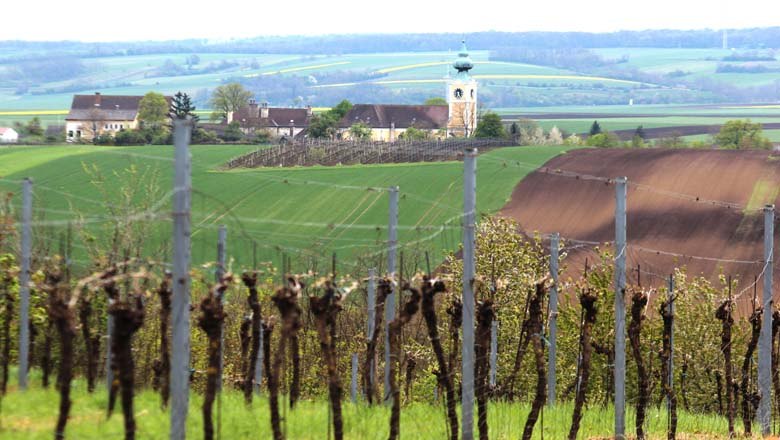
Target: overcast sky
100	20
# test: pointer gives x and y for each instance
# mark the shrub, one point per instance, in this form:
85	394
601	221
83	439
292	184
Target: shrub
603	140
130	137
104	139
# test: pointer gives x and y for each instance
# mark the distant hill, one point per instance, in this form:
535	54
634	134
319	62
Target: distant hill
524	69
755	38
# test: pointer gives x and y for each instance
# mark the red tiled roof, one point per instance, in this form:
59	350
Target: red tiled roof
105	107
403	116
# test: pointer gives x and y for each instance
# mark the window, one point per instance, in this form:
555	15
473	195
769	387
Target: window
70	133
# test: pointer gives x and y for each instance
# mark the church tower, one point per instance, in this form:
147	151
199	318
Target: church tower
462	96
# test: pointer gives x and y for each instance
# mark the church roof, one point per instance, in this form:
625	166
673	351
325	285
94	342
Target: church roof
429	117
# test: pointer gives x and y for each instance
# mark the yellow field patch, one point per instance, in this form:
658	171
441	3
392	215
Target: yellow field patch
33	112
764	191
412	66
298	69
497	76
569	77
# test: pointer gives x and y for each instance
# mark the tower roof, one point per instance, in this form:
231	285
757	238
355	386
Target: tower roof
463	63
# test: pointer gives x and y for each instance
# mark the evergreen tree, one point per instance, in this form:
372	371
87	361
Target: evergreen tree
595	128
181	107
640	132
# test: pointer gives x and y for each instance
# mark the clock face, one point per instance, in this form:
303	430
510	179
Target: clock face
458	93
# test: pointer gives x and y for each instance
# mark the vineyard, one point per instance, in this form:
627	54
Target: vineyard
310	152
508	336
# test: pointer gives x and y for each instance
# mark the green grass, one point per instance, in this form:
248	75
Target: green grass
32	415
305	212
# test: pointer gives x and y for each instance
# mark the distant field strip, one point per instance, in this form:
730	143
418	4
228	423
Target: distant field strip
443	63
496	76
298	69
33	112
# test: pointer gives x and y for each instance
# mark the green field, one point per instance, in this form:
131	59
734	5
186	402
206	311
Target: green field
696	63
32	416
306	213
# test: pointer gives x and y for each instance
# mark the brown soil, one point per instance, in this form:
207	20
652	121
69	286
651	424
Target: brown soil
584	209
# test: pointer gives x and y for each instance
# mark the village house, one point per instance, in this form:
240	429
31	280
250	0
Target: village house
8	135
277	122
93	115
457	118
389	122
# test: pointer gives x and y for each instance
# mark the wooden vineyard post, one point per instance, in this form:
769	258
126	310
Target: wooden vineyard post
220	272
353	384
469	273
620	308
392	247
765	339
221	258
553	320
180	360
670	298
493	354
371	306
24	283
260	359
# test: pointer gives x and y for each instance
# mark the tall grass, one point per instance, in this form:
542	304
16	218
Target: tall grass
31	415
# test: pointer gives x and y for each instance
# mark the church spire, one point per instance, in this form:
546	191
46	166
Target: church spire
463	63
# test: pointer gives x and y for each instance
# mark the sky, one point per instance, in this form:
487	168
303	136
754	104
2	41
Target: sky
138	20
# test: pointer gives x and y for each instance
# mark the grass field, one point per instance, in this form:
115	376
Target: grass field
305	212
32	415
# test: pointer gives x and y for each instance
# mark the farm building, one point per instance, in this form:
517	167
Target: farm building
457	118
8	135
93	115
388	122
278	122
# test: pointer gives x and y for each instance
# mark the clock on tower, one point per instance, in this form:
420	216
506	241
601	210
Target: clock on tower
462	96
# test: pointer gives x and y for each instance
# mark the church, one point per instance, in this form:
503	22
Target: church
388	122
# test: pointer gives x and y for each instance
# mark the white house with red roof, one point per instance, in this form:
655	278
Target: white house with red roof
8	135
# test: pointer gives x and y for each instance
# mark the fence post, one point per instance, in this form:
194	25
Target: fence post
24	282
469	273
620	308
371	306
259	363
221	258
670	299
553	319
353	385
765	340
392	246
493	353
180	360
